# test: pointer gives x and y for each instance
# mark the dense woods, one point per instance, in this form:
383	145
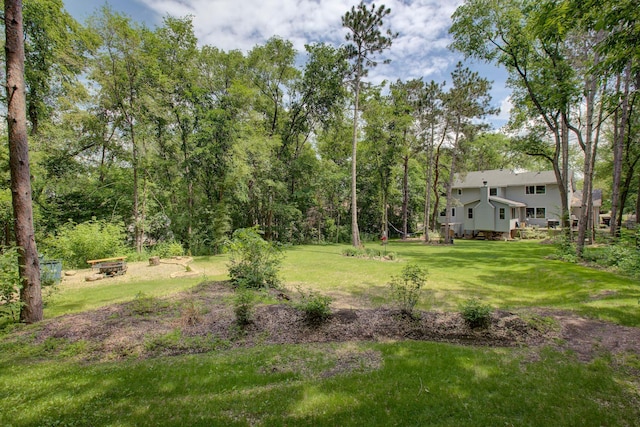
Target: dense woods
173	141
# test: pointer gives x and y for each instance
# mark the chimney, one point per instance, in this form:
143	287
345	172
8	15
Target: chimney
484	192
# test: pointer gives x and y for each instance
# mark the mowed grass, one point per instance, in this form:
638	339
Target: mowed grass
345	384
507	275
414	384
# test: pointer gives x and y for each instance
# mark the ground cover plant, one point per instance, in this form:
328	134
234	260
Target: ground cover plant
170	351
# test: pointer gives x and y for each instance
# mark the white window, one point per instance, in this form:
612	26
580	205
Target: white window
536	189
459	191
470	213
501	213
541	213
493	191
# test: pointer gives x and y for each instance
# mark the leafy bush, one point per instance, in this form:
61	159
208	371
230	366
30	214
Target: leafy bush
254	262
368	253
243	305
315	307
9	283
476	314
95	239
167	249
144	304
405	288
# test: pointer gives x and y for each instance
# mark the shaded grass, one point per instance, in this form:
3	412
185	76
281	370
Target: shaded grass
414	384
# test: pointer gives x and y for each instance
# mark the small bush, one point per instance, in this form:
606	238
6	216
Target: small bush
77	243
254	262
476	314
190	314
144	304
167	249
405	288
9	284
315	307
243	306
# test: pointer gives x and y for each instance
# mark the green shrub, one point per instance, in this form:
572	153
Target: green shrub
315	307
476	314
144	304
243	306
77	243
254	262
405	288
9	283
167	249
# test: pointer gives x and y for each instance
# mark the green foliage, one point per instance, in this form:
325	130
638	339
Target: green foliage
619	255
77	243
254	262
405	288
243	305
476	314
566	249
315	307
9	283
368	253
167	249
144	304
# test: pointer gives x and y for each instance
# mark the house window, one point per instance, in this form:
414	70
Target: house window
444	212
459	192
531	213
513	212
501	213
493	191
541	213
535	189
470	213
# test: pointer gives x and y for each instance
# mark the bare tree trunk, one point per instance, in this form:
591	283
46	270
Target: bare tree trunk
355	232
618	143
405	198
28	263
454	150
427	197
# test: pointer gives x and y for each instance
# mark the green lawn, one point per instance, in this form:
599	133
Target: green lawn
374	384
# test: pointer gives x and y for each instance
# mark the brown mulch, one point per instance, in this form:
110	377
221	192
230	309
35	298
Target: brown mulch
202	319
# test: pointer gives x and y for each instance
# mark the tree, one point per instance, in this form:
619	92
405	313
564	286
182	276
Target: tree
118	69
467	99
513	33
366	40
28	263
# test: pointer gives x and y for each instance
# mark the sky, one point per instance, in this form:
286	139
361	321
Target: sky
421	50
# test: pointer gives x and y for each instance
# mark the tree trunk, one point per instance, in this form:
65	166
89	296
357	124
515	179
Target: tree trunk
427	197
447	227
355	232
28	263
618	143
405	198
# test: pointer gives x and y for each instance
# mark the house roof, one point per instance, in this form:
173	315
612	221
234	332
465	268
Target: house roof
510	203
576	199
503	178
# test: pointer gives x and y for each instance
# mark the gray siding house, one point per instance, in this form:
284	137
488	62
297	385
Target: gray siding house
502	200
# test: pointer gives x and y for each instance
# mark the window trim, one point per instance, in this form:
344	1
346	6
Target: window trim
502	213
535	189
470	213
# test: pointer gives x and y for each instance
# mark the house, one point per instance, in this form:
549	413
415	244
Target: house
500	201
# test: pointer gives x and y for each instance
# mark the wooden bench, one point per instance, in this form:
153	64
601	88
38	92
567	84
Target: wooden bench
115	266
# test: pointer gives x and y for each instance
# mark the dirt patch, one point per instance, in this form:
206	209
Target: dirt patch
202	319
136	271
